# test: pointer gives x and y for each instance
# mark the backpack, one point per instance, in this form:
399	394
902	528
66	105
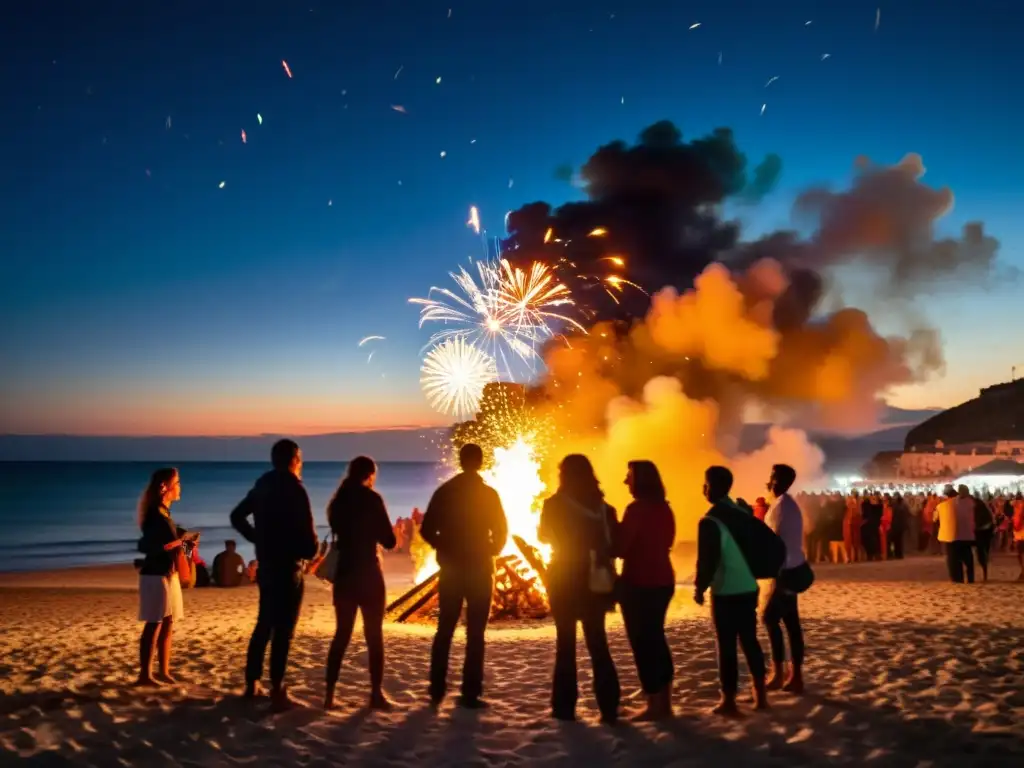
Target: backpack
762	548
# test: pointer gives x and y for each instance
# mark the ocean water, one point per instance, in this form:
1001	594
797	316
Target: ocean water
61	514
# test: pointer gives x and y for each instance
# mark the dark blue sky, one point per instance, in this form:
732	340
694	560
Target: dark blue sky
139	297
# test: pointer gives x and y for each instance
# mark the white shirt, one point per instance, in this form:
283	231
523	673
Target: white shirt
784	517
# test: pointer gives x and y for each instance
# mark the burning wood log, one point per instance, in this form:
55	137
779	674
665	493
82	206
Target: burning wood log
519	590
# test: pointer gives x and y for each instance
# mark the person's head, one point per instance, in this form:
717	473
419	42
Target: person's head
717	483
471	457
963	491
577	479
362	470
782	478
286	456
760	502
949	491
162	490
644	481
230	546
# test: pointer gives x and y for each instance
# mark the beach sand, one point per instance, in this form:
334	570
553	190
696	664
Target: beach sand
903	669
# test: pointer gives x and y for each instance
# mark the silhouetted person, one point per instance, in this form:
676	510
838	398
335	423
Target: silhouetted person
900	524
956	533
722	567
228	566
644	542
984	532
786	519
466	525
871	511
360	522
283	532
581	529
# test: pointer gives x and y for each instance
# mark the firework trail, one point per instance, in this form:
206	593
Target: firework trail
453	376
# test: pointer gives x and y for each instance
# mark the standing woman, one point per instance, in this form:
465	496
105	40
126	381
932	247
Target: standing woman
160	603
580	528
359	520
648	581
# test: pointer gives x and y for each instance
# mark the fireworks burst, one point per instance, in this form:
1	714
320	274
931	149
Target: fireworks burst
528	298
453	376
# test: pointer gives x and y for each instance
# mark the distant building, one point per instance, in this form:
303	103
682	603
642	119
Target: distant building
967	436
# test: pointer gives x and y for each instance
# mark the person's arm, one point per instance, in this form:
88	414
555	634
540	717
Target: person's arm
385	531
240	516
709	553
626	532
544	535
499	525
433	519
306	542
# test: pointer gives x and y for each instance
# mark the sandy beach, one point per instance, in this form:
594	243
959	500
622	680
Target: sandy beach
903	668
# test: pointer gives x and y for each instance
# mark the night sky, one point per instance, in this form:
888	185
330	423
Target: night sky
139	297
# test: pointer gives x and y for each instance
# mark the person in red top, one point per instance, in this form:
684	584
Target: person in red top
760	508
644	540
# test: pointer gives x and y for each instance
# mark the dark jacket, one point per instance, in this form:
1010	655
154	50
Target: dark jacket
709	540
359	520
573	534
465	523
158	530
282	524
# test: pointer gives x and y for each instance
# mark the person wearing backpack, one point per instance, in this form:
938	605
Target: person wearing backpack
786	519
723	567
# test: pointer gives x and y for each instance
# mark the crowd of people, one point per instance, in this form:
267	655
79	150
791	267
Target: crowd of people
464	523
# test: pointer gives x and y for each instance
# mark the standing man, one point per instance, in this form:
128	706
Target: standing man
282	530
784	517
722	567
466	525
956	533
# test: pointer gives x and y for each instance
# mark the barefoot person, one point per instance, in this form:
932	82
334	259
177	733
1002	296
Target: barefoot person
722	568
360	522
282	530
786	519
160	603
466	526
580	527
644	541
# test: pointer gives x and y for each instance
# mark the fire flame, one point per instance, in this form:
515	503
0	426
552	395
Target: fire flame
515	475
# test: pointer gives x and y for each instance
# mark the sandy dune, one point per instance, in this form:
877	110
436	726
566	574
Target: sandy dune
905	670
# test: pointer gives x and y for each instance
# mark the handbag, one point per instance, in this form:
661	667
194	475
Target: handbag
328	566
797	580
185	567
601	579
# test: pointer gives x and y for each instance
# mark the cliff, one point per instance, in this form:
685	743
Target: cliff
997	413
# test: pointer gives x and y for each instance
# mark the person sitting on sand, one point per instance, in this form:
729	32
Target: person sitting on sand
722	568
581	529
160	602
359	520
783	609
228	566
466	526
644	542
284	535
956	532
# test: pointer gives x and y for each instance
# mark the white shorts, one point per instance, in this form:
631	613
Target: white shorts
160	598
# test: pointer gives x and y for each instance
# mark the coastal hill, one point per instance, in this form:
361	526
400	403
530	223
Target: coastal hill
997	413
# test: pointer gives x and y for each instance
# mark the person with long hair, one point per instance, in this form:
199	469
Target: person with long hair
644	541
160	602
580	528
360	523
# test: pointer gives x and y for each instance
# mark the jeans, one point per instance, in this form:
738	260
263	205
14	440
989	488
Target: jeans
280	603
365	593
569	609
960	558
456	586
783	610
643	613
735	619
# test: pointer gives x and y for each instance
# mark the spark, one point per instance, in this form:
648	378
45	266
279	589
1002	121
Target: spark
618	261
221	185
259	118
474	219
370	356
548	234
826	56
368	339
398	108
719	57
808	23
438	81
449	13
763	108
167	122
617	282
244	141
771	80
527	298
443	153
695	25
453	377
330	203
287	69
878	18
399	71
598	232
510	182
